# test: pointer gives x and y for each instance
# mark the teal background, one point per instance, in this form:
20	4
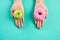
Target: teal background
50	30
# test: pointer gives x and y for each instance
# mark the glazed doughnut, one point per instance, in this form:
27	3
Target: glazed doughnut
18	14
39	14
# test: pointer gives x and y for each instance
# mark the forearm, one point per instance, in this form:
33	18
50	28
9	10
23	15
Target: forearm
40	1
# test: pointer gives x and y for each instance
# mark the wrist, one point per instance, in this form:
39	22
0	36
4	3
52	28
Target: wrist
40	1
17	0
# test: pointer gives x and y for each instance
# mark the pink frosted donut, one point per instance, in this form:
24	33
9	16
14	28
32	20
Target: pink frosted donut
39	14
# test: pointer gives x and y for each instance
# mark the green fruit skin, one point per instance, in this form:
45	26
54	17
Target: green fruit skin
18	15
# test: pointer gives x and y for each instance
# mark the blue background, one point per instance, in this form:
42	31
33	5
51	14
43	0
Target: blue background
50	30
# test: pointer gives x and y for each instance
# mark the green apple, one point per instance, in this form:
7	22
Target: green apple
18	14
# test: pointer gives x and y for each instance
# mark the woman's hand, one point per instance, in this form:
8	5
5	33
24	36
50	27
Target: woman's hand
17	6
40	23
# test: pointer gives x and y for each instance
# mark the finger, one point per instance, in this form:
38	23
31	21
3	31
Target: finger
12	10
39	24
46	12
35	21
16	21
42	22
23	19
21	22
12	13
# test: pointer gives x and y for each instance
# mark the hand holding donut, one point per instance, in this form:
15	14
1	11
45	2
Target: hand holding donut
40	13
17	11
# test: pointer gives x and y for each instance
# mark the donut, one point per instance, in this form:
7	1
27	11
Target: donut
39	14
18	14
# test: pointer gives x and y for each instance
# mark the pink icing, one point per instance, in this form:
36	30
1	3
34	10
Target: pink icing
38	16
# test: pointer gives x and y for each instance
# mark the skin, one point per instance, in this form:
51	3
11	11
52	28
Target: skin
40	4
18	5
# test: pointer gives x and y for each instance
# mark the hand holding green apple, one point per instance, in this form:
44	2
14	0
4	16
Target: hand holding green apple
18	14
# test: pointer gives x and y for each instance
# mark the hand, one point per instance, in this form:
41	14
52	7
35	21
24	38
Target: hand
40	23
17	5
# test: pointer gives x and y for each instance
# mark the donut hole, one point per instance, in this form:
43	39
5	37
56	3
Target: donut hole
18	13
40	13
